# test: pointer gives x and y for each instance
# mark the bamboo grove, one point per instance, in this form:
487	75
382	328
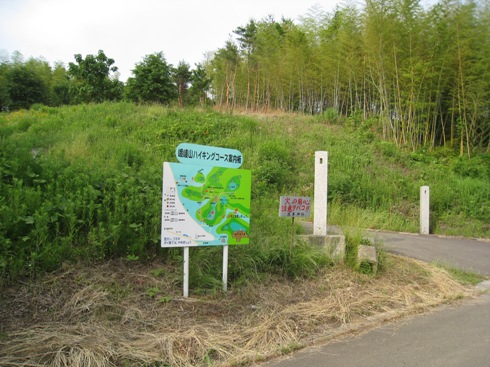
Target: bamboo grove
420	75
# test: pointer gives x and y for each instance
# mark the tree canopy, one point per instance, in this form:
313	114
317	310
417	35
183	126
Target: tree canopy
417	75
152	81
92	78
182	77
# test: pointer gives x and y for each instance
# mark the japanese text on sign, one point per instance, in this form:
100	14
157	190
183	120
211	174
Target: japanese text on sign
210	156
294	206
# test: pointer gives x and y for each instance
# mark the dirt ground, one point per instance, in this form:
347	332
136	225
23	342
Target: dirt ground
124	313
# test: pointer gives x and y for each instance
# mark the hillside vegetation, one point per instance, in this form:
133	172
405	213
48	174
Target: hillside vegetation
415	70
83	183
418	71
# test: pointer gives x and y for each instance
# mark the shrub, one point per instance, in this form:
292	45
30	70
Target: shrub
276	168
476	167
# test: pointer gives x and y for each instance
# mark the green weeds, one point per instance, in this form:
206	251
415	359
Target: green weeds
462	276
83	183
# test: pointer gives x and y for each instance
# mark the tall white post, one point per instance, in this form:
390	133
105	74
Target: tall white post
321	190
186	272
424	209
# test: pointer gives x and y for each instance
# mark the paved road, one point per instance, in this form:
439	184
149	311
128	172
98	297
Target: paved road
463	253
450	336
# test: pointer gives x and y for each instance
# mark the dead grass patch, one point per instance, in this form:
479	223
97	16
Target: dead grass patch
105	316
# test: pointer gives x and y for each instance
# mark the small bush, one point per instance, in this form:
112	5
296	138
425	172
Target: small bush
477	167
388	149
276	168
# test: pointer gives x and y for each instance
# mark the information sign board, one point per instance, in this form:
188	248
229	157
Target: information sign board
294	206
205	205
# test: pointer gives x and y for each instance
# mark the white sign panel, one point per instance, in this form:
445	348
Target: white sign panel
295	206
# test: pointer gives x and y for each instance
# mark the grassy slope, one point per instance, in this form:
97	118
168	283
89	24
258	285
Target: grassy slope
84	182
364	171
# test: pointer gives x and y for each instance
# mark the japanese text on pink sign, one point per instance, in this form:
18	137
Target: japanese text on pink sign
294	206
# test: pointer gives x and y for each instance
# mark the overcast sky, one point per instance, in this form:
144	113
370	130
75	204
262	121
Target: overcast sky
127	30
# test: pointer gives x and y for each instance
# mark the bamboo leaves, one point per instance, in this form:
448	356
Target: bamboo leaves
421	72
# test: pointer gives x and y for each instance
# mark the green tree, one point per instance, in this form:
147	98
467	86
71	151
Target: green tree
271	56
4	91
472	85
91	77
25	88
41	68
152	81
181	75
420	75
200	84
247	39
225	65
60	90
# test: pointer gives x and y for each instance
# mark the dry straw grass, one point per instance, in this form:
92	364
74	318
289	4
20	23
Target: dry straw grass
105	316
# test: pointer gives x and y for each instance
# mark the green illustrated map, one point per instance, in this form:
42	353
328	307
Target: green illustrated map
205	205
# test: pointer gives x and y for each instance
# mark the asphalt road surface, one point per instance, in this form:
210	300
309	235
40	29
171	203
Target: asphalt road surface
451	336
448	337
468	254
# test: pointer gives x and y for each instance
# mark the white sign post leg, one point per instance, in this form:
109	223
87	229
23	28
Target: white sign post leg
186	272
225	268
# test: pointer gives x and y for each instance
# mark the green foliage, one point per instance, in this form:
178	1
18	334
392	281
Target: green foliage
60	87
24	87
331	115
462	276
200	84
356	64
276	167
152	81
354	239
26	83
83	183
269	252
152	292
92	78
478	167
181	76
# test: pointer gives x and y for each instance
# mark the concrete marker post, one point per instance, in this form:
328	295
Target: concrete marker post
321	190
424	209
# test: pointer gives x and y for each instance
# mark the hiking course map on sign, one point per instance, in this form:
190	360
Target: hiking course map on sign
205	205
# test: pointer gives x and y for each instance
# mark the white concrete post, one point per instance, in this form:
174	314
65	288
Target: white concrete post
424	209
321	190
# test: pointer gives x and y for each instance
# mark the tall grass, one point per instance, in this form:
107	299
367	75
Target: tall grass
84	183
